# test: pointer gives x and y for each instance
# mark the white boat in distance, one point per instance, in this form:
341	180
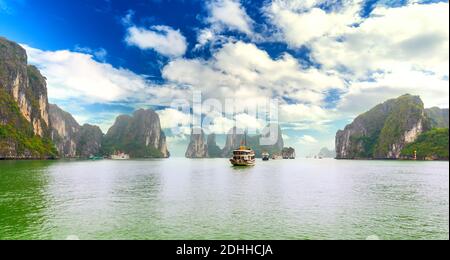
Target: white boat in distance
120	156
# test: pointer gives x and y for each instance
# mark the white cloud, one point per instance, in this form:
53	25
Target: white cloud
224	15
250	122
243	71
414	36
301	21
74	75
205	36
307	139
222	124
303	112
77	75
162	39
127	20
247	74
286	137
363	95
177	139
171	118
230	14
392	52
100	53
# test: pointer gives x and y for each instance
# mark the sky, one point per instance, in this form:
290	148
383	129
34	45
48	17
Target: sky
325	61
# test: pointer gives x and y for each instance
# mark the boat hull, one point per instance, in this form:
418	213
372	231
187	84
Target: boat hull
242	163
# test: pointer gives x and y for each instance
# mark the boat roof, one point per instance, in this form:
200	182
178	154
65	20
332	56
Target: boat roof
243	151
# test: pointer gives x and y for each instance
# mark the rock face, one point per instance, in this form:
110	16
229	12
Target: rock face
26	85
38	99
288	153
326	153
234	139
277	147
197	146
71	139
24	118
139	135
431	145
214	150
383	132
64	131
438	117
89	141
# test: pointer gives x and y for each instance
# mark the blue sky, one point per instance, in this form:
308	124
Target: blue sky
326	60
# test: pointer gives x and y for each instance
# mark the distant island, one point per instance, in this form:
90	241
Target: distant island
399	128
326	153
202	146
31	128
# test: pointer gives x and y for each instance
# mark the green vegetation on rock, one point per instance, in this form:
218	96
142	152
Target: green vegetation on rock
17	139
387	130
213	149
438	117
139	135
382	132
431	145
326	153
24	124
407	112
89	140
132	147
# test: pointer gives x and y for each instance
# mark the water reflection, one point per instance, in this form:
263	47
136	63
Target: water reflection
22	198
209	199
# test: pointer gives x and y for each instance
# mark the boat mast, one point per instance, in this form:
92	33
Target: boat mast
245	137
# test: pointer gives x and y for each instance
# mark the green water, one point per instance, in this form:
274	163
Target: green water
208	199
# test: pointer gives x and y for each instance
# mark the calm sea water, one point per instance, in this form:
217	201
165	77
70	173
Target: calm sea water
208	199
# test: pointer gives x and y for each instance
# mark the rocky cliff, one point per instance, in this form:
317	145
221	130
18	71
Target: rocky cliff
24	118
383	132
277	147
214	150
139	135
234	139
89	141
430	145
71	139
64	131
438	117
288	153
326	153
197	147
26	85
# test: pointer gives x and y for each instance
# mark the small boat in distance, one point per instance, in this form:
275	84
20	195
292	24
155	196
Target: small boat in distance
244	156
95	158
265	156
276	156
120	156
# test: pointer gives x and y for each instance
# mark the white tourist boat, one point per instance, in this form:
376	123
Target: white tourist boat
244	156
120	156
